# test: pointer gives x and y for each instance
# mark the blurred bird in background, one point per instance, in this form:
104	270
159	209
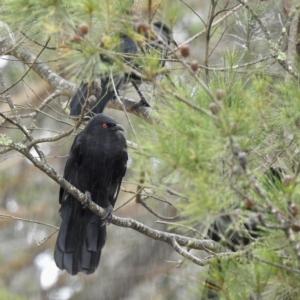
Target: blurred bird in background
153	39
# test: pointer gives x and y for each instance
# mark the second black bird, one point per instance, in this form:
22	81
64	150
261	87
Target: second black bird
100	91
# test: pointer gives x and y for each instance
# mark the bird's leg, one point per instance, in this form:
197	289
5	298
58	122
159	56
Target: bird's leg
143	101
108	215
117	94
108	210
87	199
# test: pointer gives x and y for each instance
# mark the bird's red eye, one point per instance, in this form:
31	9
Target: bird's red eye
104	125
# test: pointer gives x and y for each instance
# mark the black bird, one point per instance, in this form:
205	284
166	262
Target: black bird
96	165
101	91
157	41
225	228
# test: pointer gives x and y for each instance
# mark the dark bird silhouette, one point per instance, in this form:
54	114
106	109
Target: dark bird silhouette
231	233
96	166
101	91
228	229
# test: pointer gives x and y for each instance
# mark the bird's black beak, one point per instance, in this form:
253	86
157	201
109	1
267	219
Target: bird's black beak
174	42
120	127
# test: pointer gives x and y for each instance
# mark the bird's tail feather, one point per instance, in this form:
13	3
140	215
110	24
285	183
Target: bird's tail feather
80	240
99	93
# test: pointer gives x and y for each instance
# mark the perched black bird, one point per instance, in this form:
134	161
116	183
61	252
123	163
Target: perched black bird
228	230
157	41
96	165
101	91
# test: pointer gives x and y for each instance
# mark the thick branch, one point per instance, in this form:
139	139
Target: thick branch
292	41
44	71
183	241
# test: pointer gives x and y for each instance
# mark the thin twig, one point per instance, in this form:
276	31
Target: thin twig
274	49
65	133
30	67
124	109
143	203
127	201
213	25
181	225
277	265
27	220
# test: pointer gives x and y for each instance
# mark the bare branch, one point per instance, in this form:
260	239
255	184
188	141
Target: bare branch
180	225
153	212
27	220
218	22
30	67
281	266
274	48
185	253
44	71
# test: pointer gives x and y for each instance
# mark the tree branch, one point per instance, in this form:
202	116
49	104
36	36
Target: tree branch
274	48
128	223
218	22
57	82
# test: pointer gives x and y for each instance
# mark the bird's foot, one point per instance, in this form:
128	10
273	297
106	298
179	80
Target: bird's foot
87	199
108	215
106	219
143	102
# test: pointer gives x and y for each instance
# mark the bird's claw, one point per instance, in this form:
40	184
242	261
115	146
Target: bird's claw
106	219
87	199
108	215
141	103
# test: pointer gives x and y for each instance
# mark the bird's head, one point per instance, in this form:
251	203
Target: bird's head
160	26
103	123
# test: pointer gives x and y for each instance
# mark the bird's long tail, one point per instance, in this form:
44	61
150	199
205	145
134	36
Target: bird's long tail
80	240
98	93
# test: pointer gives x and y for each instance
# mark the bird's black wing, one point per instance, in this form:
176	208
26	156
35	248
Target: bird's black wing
98	93
119	171
71	168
